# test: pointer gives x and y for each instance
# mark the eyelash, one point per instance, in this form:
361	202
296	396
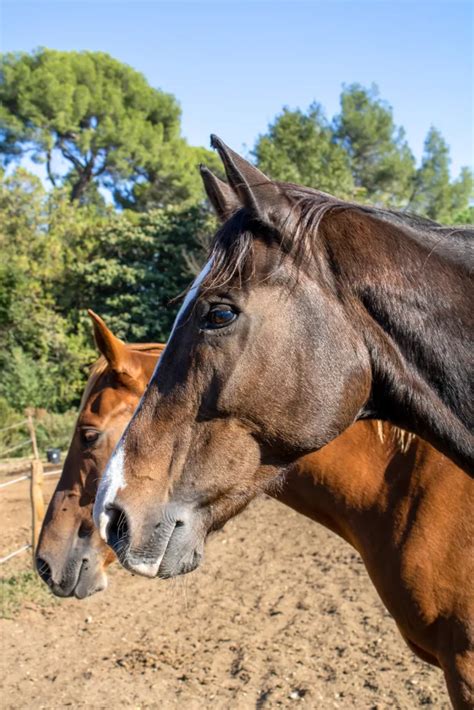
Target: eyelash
207	325
87	443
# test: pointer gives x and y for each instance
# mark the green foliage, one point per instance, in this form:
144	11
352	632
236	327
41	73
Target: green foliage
381	161
361	154
42	358
134	267
301	148
52	430
170	178
434	194
12	433
24	586
61	258
466	215
99	118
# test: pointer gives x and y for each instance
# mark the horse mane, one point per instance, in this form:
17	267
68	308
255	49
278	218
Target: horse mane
100	366
296	235
401	438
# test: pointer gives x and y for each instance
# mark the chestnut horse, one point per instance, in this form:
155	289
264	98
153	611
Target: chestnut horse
402	505
71	557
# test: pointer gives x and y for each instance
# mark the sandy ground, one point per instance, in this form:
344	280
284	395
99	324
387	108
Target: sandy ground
281	614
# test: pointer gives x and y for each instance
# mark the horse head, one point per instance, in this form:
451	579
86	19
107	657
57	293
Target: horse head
71	557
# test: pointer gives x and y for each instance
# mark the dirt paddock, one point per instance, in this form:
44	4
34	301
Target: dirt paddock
281	614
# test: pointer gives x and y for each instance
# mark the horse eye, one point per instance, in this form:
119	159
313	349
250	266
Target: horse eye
219	316
89	436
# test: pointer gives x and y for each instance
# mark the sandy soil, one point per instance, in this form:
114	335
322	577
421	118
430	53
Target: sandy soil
281	614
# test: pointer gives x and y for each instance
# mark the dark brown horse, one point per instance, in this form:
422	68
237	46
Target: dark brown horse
388	494
310	314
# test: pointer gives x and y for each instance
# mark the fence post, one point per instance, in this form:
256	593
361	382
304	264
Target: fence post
37	503
36	487
31	429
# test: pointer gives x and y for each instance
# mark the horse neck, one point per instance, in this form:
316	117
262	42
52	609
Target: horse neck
413	311
348	482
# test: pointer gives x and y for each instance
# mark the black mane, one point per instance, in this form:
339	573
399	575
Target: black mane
297	233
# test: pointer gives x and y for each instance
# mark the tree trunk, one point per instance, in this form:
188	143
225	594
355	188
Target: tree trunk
80	186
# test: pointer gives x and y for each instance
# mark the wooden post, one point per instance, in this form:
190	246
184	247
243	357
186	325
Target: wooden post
31	429
36	487
37	503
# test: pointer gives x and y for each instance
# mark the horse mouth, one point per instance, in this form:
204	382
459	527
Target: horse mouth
168	546
174	551
88	585
79	582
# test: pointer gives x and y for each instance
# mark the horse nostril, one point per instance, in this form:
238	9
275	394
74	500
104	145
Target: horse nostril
117	529
44	570
85	530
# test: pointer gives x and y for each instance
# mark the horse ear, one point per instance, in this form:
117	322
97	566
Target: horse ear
221	196
112	348
257	193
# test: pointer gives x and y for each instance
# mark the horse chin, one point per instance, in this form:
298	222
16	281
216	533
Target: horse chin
89	581
179	561
173	564
174	552
88	584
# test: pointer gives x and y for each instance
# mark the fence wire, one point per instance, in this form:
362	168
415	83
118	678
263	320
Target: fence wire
15	553
14	426
26	476
24	548
14	448
15	480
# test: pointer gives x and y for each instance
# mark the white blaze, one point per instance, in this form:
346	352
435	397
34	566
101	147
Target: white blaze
114	477
191	295
112	480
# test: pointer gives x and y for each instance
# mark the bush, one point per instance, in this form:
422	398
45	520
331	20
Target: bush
12	436
53	430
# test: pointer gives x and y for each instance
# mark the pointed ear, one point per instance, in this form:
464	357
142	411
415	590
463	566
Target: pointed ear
222	197
112	348
257	193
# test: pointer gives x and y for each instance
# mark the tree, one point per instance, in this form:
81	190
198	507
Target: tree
133	268
60	258
42	358
169	178
434	194
300	147
92	121
380	159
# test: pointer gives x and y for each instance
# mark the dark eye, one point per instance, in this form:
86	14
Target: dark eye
219	316
89	436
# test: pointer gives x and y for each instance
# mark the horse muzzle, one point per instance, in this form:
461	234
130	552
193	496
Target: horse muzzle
80	575
164	545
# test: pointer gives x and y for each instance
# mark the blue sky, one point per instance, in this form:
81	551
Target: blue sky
234	65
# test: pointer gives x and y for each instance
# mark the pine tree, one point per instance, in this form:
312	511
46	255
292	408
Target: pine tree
94	122
300	147
380	159
434	195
